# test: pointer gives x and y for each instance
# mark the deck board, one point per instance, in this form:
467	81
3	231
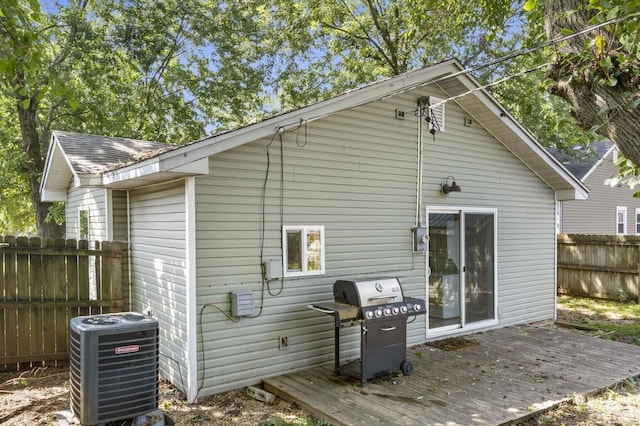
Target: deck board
504	376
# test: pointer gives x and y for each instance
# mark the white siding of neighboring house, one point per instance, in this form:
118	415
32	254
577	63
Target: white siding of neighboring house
92	199
355	173
597	215
95	200
158	259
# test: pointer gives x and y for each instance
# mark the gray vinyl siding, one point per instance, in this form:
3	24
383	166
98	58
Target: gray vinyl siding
158	259
355	173
597	215
92	199
490	177
119	207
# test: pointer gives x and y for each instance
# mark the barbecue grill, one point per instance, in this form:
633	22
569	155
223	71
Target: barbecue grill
381	309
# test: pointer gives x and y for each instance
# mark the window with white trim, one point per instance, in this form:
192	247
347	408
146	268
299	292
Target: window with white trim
621	220
637	221
303	250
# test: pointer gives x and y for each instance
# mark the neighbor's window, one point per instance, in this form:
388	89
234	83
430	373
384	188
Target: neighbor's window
303	250
637	221
621	220
83	224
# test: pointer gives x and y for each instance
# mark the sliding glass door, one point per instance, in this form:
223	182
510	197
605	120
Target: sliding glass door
461	274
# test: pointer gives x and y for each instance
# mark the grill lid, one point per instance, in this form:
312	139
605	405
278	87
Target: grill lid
368	293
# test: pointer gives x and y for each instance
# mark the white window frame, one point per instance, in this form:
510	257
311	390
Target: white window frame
304	230
623	210
637	222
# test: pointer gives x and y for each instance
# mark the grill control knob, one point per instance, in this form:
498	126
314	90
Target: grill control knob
417	307
378	313
369	314
395	310
403	309
387	312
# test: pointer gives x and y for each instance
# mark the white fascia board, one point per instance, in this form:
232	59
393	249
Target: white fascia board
55	159
145	168
52	195
154	166
198	167
595	166
86	180
267	128
571	195
47	170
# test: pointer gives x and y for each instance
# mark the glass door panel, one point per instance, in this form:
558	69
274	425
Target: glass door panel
444	267
479	267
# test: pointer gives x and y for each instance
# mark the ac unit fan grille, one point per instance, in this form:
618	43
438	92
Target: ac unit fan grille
115	374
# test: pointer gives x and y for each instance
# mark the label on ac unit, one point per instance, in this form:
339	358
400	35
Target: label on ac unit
129	349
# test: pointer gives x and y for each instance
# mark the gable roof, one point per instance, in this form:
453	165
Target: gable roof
84	158
582	160
449	76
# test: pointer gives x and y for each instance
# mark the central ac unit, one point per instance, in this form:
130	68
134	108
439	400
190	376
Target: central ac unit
113	367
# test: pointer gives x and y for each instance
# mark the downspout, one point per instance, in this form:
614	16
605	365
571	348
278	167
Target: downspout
555	257
192	339
129	274
422	102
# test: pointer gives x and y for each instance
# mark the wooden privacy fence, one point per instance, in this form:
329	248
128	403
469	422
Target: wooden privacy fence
46	282
601	266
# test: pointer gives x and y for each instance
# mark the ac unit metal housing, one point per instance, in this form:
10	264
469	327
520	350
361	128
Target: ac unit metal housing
114	367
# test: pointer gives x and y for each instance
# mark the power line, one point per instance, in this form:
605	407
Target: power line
526	51
513	55
502	80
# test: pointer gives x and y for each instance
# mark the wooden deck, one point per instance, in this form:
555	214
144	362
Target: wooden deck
501	376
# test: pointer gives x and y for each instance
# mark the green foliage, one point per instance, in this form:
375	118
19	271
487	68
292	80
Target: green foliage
320	48
172	72
628	175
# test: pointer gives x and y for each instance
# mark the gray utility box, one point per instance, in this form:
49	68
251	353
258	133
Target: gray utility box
113	367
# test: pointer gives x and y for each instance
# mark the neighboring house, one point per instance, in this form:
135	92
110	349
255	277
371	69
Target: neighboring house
279	210
609	210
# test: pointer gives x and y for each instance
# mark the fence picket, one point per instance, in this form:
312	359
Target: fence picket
36	280
600	266
22	279
48	293
10	315
43	284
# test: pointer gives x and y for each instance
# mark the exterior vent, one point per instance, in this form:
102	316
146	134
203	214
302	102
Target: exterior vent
241	303
436	114
113	367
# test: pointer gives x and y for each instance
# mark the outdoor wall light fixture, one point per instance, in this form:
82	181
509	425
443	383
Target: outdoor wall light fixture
446	188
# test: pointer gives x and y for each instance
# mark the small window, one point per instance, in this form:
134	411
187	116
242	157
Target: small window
83	225
303	250
621	220
637	221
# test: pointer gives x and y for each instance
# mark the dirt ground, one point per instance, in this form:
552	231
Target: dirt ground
34	397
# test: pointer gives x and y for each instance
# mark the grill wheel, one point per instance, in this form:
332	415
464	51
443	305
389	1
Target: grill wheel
406	367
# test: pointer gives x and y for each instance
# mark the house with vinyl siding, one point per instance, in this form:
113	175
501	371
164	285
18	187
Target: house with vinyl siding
277	211
609	210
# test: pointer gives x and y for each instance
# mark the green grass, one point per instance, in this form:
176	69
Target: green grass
614	320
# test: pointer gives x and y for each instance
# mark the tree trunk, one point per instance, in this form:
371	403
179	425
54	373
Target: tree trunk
31	144
581	77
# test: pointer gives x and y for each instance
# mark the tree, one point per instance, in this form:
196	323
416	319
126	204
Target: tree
598	71
171	73
322	48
